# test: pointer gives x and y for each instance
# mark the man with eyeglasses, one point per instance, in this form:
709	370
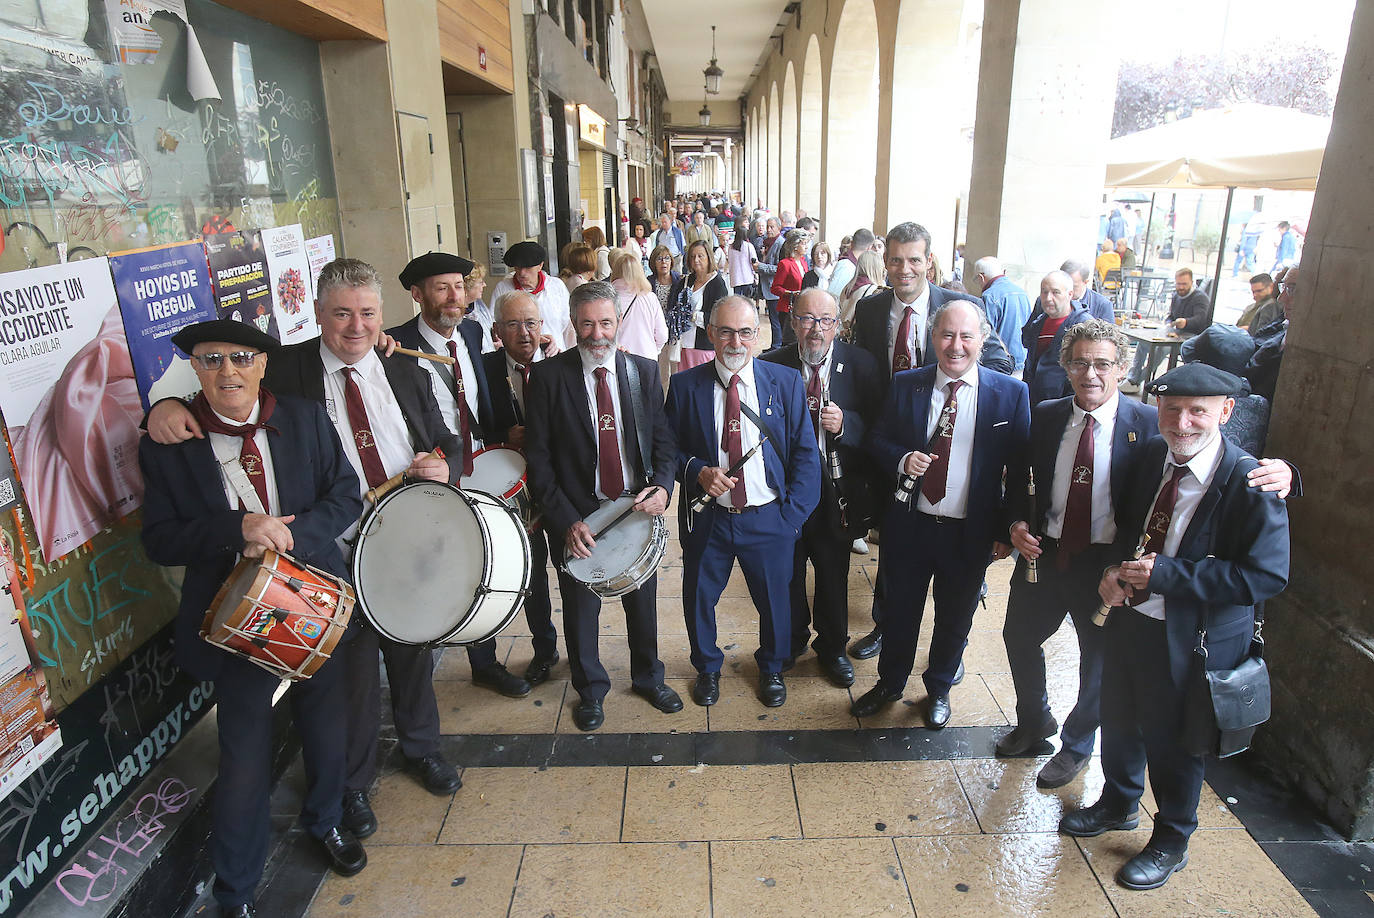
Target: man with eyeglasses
1083	450
270	474
1042	337
843	393
756	500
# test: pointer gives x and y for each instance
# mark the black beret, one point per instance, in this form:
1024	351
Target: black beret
432	263
1224	347
226	330
525	255
1196	379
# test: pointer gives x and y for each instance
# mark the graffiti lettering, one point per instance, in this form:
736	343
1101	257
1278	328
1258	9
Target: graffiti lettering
58	167
48	105
272	97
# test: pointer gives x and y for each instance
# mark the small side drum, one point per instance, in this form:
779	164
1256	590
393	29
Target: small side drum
626	555
436	565
285	616
500	470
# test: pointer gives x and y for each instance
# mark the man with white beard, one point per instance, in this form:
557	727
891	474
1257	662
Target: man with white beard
756	499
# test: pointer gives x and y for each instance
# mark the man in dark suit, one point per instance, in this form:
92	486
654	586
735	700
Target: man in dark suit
517	325
720	412
949	433
842	395
575	465
1043	335
1212	548
1098	306
291	490
435	282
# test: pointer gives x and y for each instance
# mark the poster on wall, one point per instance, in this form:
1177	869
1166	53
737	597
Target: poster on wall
243	290
320	251
131	27
28	728
161	290
70	399
288	269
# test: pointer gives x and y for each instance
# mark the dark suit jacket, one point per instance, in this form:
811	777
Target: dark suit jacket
999	441
1234	554
187	519
791	464
871	316
407	334
560	444
856	388
296	369
1043	375
502	399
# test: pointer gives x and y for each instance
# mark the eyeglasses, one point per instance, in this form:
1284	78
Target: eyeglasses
743	334
528	325
825	322
1079	367
241	359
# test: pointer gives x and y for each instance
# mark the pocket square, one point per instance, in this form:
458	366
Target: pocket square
1001	423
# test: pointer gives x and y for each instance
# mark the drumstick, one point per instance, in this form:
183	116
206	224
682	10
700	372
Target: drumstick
424	356
395	481
703	499
613	523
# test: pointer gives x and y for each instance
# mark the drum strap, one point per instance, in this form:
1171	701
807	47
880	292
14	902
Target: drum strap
444	370
238	480
641	422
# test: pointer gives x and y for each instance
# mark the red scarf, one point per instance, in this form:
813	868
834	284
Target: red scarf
538	288
210	422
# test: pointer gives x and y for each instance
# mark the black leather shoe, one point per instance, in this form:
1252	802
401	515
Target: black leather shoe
1092	821
937	712
1060	770
241	911
661	697
706	690
958	674
772	692
346	854
870	645
358	817
439	777
873	701
502	680
1151	868
538	670
1027	740
838	670
588	715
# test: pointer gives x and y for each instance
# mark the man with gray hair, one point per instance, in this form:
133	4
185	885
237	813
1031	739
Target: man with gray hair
848	266
1081	274
1007	306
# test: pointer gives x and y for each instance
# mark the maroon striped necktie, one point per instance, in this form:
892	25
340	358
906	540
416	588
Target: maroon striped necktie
933	484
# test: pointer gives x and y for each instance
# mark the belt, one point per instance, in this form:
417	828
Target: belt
940	519
749	509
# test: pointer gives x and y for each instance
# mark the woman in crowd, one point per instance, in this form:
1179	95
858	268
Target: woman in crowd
638	245
696	294
595	237
787	282
740	265
643	328
870	278
935	275
578	265
822	266
478	310
662	280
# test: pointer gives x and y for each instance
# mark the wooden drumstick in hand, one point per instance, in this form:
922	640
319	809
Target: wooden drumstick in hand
395	481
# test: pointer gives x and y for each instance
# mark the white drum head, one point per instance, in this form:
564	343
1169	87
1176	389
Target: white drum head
496	470
617	550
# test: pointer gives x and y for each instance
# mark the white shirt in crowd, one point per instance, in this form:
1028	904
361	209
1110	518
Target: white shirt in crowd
755	473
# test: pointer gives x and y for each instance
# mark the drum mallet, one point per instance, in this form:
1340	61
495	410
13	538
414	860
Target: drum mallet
395	481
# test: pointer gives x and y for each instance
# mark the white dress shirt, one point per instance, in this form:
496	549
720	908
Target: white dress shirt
916	336
553	308
1103	527
228	448
589	384
443	394
755	473
959	467
1191	487
383	414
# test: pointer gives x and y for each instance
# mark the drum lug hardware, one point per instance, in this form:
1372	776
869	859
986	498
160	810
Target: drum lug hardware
295	585
280	615
260	643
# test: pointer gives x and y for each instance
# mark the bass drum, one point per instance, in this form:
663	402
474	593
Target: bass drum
436	565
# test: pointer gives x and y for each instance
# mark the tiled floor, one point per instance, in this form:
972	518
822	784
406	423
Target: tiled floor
742	810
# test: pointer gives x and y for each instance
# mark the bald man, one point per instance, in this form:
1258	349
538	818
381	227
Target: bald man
1044	334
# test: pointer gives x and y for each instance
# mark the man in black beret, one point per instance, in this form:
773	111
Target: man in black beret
527	259
1207	548
270	474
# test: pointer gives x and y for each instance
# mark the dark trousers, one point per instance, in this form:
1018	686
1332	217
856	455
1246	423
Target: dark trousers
921	548
582	632
410	674
754	538
828	552
1034	612
241	818
538	611
775	321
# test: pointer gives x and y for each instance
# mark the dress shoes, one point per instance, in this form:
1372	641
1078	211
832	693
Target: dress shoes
838	670
958	674
346	854
873	701
937	712
439	777
538	670
661	697
1027	740
588	715
870	645
772	692
502	680
1092	821
706	690
1060	770
240	911
1151	868
358	817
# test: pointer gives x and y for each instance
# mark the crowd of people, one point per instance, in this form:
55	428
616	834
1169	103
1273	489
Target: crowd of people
886	401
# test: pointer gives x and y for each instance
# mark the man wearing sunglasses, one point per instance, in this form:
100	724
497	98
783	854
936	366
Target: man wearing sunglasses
843	391
757	500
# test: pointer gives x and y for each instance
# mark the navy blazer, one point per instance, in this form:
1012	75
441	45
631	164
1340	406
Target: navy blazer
187	519
560	444
792	465
502	398
1043	375
407	334
1234	554
871	320
999	441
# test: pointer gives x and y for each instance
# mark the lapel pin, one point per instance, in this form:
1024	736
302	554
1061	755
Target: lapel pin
839	368
1130	436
